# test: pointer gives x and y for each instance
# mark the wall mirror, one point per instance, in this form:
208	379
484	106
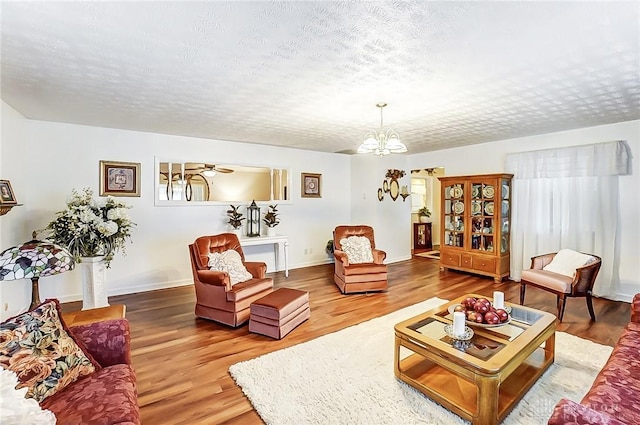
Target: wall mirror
196	182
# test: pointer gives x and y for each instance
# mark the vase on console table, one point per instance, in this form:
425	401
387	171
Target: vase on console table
271	231
94	282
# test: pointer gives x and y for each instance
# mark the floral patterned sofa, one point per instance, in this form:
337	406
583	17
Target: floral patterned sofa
614	398
108	396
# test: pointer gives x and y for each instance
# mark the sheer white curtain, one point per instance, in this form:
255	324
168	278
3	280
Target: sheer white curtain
568	198
197	192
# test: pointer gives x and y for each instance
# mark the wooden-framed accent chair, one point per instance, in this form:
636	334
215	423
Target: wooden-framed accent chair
362	276
580	284
216	298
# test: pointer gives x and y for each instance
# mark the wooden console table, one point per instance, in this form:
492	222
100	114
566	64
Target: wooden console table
277	242
83	317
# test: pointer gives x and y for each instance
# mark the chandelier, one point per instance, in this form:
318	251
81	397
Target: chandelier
381	142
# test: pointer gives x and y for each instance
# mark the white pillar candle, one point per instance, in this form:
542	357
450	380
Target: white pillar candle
498	299
458	323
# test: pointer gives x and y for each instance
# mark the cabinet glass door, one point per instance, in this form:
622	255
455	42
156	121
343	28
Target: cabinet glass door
422	234
454	210
483	199
505	214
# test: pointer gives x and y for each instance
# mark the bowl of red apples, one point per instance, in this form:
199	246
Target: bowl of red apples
480	312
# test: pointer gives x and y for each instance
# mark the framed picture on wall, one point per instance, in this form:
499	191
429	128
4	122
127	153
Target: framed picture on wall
311	185
7	197
119	178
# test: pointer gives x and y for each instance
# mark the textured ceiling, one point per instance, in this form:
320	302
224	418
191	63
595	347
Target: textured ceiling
308	74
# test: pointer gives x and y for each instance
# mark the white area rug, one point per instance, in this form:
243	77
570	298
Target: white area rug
347	378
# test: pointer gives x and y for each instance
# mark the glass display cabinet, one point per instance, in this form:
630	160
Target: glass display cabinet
476	212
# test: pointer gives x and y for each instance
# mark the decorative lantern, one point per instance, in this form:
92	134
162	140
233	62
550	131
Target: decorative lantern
253	220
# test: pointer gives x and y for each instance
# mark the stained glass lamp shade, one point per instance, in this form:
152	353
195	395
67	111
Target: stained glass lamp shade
33	260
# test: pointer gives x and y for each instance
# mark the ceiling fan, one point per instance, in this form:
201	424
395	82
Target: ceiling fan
210	170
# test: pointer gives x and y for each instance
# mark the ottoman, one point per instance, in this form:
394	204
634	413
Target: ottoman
278	313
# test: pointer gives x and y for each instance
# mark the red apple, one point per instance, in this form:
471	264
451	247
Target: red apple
479	317
502	314
480	307
484	301
460	307
469	302
491	318
492	308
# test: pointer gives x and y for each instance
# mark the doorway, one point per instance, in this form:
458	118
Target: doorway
425	192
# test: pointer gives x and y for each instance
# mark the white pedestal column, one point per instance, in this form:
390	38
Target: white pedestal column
94	282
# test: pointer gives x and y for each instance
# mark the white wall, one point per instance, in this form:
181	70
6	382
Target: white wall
490	158
390	219
14	295
45	161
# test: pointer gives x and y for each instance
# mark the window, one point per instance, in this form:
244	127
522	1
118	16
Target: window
418	194
568	198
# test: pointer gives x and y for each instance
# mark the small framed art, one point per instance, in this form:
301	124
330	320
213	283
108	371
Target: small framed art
7	197
311	185
119	178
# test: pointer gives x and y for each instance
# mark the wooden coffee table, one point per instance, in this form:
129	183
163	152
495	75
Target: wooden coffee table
480	380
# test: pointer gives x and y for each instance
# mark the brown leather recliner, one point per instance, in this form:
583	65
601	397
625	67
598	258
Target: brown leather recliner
362	277
216	299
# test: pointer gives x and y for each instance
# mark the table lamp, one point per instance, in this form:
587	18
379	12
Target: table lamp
33	260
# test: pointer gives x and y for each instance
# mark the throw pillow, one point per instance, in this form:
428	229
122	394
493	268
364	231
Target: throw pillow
567	261
358	249
41	350
15	409
230	262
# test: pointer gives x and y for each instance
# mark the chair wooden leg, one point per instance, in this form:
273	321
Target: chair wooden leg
523	287
561	303
590	307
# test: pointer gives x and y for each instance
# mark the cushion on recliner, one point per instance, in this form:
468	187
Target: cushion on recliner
357	249
365	268
230	262
244	290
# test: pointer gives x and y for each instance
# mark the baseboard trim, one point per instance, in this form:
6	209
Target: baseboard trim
185	282
132	289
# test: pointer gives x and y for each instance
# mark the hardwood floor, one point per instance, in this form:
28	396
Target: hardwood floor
182	362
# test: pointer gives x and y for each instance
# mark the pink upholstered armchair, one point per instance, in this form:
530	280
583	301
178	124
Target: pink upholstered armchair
580	285
361	277
216	298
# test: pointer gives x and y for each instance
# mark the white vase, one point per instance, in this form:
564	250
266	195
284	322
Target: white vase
271	231
424	219
94	282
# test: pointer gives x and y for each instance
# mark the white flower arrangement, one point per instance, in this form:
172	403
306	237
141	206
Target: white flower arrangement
88	228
